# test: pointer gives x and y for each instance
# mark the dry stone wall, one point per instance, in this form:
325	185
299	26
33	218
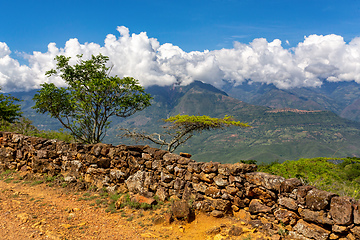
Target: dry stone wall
218	189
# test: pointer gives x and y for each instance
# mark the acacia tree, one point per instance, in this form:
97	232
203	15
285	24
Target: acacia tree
9	110
181	129
91	98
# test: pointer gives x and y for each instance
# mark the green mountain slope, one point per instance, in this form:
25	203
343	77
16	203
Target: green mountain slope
275	135
338	97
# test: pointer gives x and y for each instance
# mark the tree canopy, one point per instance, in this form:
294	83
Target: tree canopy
181	129
9	110
91	98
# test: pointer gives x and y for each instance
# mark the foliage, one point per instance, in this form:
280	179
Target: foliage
182	127
9	111
24	126
340	175
91	98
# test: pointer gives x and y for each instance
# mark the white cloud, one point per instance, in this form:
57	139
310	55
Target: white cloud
308	64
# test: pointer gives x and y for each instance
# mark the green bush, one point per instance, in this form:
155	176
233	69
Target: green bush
341	176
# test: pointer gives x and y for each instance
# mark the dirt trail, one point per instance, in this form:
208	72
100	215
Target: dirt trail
32	210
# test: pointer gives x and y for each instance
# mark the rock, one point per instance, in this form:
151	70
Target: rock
256	206
296	236
183	160
217	213
159	220
220	181
224	169
222	205
333	236
286	216
288	185
166	178
186	155
356	207
141	199
69	179
180	209
213	192
243	215
140	183
235	231
171	157
200	187
288	203
266	180
178	184
235	179
339	229
210	167
341	210
318	199
162	194
241	168
311	230
117	175
356	231
315	216
194	167
260	193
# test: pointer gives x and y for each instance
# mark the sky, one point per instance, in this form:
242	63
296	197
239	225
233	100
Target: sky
288	43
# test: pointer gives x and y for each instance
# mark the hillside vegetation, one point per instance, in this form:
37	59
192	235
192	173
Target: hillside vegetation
339	175
274	135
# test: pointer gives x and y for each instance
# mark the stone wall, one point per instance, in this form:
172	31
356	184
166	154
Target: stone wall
211	187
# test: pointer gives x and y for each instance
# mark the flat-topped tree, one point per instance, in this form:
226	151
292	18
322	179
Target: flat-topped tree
181	129
91	98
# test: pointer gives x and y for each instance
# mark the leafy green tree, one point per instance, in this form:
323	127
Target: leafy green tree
9	110
182	128
91	98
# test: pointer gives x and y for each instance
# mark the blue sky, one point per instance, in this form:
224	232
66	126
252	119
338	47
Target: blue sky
192	25
196	25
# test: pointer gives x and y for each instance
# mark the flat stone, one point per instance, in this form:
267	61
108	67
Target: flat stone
220	181
285	216
288	185
318	199
356	231
217	213
341	210
200	187
210	167
213	192
315	216
256	206
339	229
356	207
266	180
288	203
311	230
242	168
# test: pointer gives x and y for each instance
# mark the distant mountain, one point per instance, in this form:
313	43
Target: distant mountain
276	134
341	98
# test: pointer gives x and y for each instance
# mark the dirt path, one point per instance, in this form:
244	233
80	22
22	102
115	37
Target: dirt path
33	210
40	212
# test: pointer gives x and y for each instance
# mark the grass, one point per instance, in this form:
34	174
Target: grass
37	182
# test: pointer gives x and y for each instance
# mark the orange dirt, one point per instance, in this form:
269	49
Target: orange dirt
36	211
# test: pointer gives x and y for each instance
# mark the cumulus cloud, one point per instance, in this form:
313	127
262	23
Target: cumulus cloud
312	61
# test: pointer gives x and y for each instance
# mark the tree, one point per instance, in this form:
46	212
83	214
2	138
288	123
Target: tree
181	129
91	98
9	111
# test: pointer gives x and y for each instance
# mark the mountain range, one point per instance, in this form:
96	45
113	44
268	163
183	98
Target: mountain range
286	124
